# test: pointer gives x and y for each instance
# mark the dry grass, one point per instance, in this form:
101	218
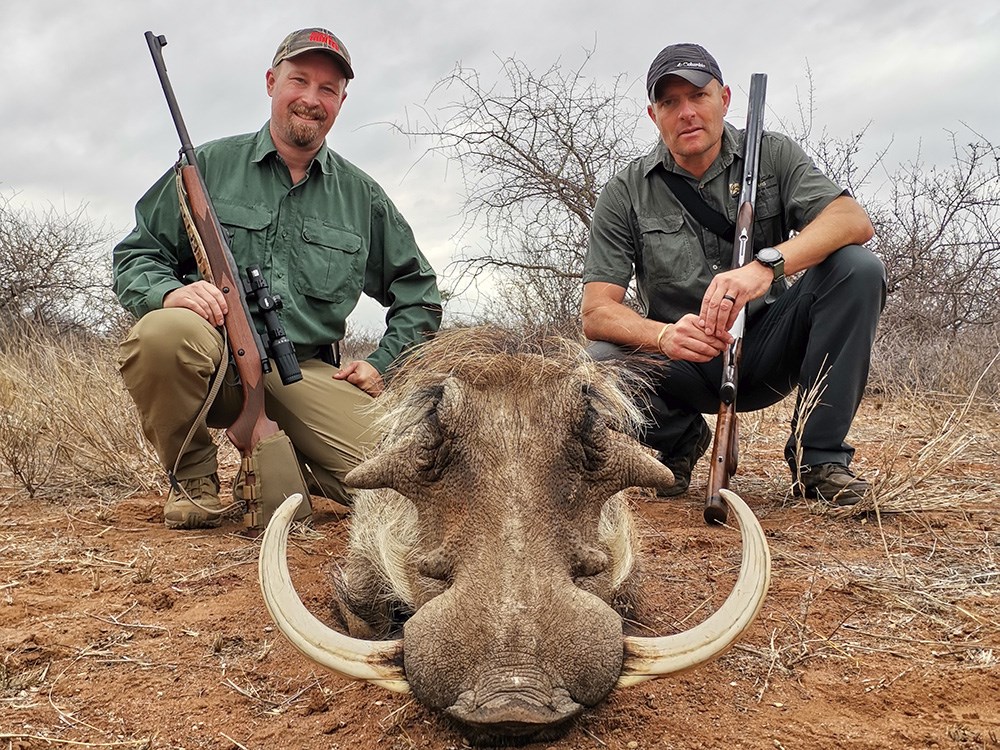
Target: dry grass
67	425
933	462
940	364
915	573
921	451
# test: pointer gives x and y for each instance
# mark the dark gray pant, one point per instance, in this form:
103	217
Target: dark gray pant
824	323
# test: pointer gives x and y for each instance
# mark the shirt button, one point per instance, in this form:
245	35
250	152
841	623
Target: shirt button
715	266
284	234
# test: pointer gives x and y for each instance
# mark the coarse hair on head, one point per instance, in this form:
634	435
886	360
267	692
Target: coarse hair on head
494	357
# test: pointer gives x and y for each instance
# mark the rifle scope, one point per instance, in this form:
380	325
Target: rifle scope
281	350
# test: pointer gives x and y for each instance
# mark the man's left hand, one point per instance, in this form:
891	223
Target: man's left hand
729	292
362	375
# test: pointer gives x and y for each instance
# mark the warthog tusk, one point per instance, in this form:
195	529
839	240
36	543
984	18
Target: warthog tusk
646	658
374	661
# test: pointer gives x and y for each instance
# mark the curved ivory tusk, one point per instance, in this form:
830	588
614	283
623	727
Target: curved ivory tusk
374	661
646	658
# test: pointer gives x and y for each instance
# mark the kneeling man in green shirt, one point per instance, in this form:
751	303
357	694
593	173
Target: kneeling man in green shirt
322	232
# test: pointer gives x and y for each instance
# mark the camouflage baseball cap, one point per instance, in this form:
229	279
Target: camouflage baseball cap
307	40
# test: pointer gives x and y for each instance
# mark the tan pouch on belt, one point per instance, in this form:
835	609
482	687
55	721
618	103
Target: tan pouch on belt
276	475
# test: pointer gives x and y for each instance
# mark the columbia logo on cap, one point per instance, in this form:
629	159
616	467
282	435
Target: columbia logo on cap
692	62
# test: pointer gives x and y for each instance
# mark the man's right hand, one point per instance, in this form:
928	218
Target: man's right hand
606	318
201	297
687	340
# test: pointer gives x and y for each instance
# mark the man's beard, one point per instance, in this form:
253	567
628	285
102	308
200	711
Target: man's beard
300	132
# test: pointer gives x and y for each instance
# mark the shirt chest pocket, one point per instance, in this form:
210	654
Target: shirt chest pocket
670	254
246	229
328	263
768	217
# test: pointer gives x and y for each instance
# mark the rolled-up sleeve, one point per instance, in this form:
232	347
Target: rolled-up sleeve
610	250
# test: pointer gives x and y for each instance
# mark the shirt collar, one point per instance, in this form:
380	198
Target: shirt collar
264	146
732	144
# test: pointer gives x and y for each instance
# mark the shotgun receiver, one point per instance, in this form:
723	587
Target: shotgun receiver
725	448
215	260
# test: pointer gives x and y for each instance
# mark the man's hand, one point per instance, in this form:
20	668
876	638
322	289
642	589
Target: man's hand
728	293
203	298
362	375
687	340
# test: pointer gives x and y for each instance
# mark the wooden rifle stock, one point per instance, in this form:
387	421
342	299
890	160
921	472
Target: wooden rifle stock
725	446
252	424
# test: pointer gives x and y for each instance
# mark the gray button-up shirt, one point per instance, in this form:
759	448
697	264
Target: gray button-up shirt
639	226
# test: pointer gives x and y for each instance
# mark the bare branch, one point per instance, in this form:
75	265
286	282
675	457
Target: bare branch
534	152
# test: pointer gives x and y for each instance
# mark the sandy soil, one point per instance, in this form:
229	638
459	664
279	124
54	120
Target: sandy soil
878	632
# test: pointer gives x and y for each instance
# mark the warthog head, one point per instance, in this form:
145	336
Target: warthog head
493	537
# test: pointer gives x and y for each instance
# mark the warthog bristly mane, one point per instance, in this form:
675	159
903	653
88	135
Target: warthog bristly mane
490	356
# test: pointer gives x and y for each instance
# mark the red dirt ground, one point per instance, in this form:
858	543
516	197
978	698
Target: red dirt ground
876	633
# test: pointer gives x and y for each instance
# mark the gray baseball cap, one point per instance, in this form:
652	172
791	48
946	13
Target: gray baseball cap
692	62
307	40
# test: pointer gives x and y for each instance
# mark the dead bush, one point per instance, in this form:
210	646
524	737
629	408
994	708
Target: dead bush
56	269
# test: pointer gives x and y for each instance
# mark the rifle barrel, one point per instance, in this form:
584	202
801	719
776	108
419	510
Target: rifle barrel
725	447
156	44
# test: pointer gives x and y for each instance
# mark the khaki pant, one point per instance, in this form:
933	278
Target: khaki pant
167	362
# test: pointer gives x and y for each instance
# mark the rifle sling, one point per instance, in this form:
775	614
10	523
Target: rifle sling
201	258
695	205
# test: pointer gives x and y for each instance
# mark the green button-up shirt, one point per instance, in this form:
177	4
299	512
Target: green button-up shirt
640	227
319	244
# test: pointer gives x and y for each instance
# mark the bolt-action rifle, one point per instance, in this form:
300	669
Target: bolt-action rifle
216	264
725	448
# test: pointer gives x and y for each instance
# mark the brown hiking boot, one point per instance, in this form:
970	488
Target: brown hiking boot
831	483
196	507
683	466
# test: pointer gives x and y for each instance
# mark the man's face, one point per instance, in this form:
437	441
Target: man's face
306	93
690	119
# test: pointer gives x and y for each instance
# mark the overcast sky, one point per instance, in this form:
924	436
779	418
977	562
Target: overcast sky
83	120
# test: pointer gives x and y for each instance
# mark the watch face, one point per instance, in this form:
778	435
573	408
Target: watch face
769	255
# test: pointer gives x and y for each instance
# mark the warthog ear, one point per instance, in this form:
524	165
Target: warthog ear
421	454
450	403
